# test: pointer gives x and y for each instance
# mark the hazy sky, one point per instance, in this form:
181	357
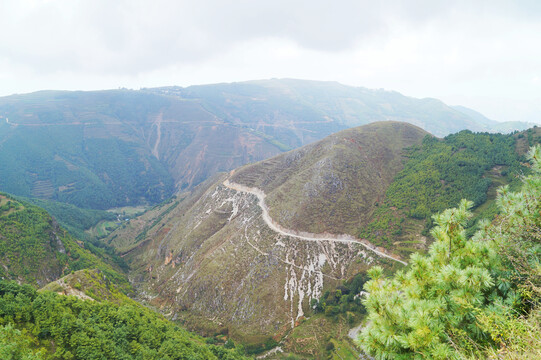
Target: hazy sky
481	54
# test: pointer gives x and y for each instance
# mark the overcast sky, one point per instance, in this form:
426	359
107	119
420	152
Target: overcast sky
482	54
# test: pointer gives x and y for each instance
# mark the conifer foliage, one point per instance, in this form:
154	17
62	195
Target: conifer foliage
455	302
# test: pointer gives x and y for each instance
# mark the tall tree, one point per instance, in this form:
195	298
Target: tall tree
452	299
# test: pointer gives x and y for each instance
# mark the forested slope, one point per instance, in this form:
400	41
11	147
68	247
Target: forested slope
49	326
104	149
470	297
440	172
35	250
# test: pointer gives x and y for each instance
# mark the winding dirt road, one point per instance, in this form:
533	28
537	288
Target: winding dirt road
302	235
158	124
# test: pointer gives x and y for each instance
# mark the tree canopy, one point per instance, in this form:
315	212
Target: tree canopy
457	301
44	325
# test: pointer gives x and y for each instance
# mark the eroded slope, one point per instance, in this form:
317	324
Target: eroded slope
213	261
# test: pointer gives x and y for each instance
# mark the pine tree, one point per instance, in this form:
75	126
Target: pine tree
448	304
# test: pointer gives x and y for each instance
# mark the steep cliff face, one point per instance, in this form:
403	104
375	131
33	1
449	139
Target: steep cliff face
220	258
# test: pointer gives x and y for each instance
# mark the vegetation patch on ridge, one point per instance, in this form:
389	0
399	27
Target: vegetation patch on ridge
34	249
469	298
439	173
50	326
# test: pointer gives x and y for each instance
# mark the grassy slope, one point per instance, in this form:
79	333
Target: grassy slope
88	283
166	240
333	185
437	175
156	237
149	225
35	249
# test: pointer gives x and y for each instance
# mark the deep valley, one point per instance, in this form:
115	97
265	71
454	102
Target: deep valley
258	215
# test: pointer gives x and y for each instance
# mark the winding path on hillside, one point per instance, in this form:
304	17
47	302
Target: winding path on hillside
158	124
301	235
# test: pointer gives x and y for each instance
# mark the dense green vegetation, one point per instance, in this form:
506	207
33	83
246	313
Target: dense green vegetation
470	297
103	173
35	250
72	218
91	283
50	326
438	174
81	148
16	345
345	299
77	220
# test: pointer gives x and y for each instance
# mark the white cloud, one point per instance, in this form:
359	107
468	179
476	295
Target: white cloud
453	50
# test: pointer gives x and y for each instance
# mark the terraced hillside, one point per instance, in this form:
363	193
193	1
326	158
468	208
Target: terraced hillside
114	148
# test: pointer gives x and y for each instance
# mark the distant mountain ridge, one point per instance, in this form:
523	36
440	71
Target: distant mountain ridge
332	103
491	125
104	149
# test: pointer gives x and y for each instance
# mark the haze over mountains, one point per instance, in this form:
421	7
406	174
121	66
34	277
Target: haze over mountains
376	211
266	204
119	147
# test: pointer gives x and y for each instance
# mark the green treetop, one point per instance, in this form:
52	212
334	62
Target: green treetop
451	303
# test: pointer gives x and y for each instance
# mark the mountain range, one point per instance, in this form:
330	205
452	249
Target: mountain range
252	249
265	205
105	149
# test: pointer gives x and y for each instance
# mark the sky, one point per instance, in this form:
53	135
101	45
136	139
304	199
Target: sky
485	55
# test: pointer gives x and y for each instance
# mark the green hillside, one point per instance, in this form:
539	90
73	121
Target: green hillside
323	108
209	259
72	218
45	325
105	149
439	173
98	322
218	238
74	148
88	284
35	250
470	297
